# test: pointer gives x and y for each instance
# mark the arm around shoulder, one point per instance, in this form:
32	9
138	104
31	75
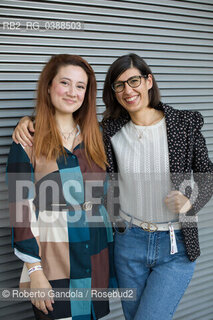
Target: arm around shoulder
22	133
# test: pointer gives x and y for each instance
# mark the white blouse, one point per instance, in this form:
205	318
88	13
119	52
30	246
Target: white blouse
144	177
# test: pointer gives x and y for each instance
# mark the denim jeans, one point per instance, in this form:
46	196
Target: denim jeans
143	261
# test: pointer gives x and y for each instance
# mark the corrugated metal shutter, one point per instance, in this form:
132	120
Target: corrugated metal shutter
174	37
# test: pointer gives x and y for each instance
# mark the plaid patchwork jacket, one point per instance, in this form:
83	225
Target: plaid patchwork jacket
52	210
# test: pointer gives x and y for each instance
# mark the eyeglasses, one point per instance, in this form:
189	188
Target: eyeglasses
133	82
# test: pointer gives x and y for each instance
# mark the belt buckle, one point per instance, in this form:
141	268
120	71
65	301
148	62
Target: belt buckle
87	206
149	227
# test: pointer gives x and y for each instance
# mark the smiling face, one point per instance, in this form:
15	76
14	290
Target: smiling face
134	99
68	89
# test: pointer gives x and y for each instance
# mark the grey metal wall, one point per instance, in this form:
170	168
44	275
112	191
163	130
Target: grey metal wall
174	37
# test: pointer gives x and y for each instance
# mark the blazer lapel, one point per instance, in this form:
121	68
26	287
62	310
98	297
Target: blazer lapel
172	135
175	134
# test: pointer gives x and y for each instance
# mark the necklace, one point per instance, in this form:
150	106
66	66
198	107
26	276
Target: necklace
67	135
139	132
144	128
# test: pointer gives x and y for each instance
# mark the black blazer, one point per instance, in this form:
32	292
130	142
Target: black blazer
187	154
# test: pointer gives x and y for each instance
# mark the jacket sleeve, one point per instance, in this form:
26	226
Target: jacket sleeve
202	167
23	220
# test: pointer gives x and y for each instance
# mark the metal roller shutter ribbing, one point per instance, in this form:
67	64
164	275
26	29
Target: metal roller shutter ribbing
176	40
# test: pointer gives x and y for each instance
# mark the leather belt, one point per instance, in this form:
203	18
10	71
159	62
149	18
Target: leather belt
61	206
86	206
148	226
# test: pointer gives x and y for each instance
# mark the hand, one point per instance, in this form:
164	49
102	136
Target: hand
39	281
21	134
177	202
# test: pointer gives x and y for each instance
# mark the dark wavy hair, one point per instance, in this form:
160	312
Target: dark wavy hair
113	108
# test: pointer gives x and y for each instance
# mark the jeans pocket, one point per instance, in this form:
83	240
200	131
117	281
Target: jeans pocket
179	236
121	227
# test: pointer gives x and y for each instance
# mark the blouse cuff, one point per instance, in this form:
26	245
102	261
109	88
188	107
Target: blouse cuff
25	257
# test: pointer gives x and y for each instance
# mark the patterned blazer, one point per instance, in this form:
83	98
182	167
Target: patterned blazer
187	154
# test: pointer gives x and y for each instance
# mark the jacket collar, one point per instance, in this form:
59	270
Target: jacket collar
112	126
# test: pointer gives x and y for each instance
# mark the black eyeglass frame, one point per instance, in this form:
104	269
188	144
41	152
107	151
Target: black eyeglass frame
145	76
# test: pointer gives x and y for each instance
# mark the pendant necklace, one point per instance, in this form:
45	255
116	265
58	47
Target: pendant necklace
139	132
67	135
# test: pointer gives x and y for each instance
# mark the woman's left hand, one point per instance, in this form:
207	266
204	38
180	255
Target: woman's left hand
177	202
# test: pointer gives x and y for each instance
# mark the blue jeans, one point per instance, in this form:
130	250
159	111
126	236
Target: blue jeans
143	261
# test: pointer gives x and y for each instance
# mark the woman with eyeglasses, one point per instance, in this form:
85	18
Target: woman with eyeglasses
152	149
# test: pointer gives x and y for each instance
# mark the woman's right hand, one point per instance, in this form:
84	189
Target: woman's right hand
21	134
39	281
